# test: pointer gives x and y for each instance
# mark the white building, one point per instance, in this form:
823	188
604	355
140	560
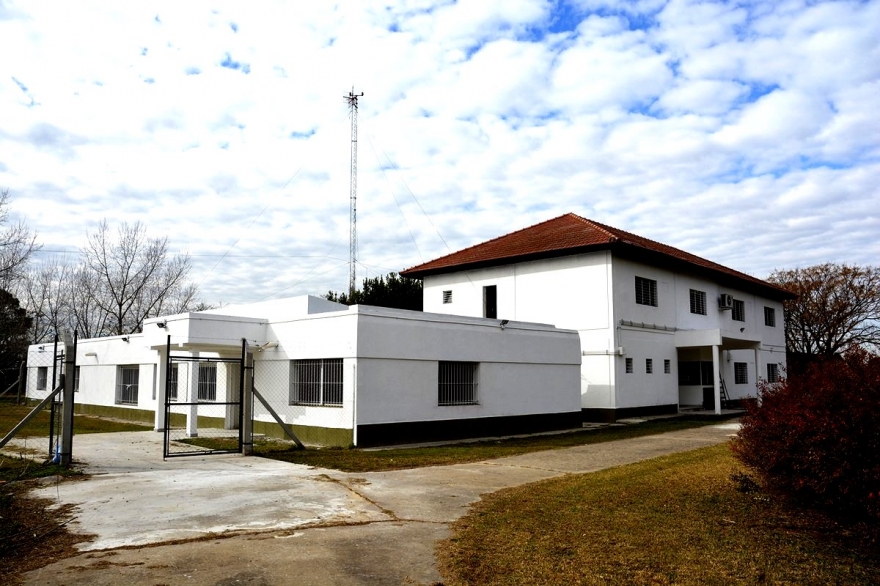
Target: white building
337	375
660	329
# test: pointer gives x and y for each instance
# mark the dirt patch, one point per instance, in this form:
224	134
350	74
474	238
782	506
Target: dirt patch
33	532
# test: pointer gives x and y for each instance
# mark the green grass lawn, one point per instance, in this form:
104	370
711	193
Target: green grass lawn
679	519
358	460
11	414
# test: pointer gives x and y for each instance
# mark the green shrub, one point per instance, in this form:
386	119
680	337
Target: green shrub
815	437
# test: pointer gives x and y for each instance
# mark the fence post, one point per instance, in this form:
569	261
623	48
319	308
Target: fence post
247	399
67	399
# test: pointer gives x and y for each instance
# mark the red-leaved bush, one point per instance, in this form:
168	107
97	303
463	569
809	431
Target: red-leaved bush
816	437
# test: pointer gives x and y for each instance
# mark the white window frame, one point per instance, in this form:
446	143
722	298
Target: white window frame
740	373
646	291
207	391
316	382
127	383
42	378
457	383
698	302
173	382
76	379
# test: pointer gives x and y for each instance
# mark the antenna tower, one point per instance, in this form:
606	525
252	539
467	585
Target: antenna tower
352	99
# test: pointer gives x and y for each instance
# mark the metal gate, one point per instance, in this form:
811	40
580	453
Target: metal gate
203	405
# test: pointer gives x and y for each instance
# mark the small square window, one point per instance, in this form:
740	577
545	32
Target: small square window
667	366
447	297
629	365
740	373
457	383
772	373
698	302
649	365
770	317
646	291
739	310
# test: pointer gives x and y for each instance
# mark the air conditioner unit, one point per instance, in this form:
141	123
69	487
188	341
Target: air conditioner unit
725	301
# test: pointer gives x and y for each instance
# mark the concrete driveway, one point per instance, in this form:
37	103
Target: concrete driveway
285	523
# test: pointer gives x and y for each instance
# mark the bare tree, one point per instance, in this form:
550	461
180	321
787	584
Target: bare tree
131	277
838	306
44	291
17	244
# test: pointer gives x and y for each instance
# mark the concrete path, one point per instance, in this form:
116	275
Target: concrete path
290	524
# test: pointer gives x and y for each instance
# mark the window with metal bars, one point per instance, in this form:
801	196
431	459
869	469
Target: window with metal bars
646	291
457	383
649	366
698	302
316	382
207	382
447	297
42	377
127	385
772	373
667	366
770	317
739	310
740	373
629	365
76	379
173	377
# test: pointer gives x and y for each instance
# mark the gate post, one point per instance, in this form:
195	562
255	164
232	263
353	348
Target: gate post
67	399
192	414
247	400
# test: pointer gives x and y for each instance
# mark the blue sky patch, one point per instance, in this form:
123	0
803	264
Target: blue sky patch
149	80
229	63
234	27
300	135
193	71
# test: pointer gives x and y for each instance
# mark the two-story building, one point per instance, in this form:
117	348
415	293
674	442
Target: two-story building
661	329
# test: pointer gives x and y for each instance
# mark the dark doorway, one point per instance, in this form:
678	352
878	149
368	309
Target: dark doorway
490	301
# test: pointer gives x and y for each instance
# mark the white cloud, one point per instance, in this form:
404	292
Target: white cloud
723	129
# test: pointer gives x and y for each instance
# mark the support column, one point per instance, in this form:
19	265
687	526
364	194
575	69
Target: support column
757	367
192	414
247	400
716	370
161	382
66	452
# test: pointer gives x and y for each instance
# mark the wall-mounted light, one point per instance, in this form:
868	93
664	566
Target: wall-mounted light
91	353
741	330
41	349
504	322
161	324
125	338
266	346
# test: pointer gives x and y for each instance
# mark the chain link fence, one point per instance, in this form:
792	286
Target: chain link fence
313	397
36	380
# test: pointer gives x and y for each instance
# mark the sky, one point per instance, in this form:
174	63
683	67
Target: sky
747	133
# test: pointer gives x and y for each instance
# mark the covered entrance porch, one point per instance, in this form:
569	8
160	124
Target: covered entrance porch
706	366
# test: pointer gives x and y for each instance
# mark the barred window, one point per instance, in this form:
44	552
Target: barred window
698	302
770	317
447	297
667	366
42	377
173	377
629	365
739	310
649	365
316	382
76	379
646	291
457	383
207	382
740	373
127	385
772	373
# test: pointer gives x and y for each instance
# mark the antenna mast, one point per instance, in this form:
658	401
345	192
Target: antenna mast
352	99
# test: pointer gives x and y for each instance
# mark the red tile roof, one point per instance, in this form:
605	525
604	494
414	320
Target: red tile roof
572	234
